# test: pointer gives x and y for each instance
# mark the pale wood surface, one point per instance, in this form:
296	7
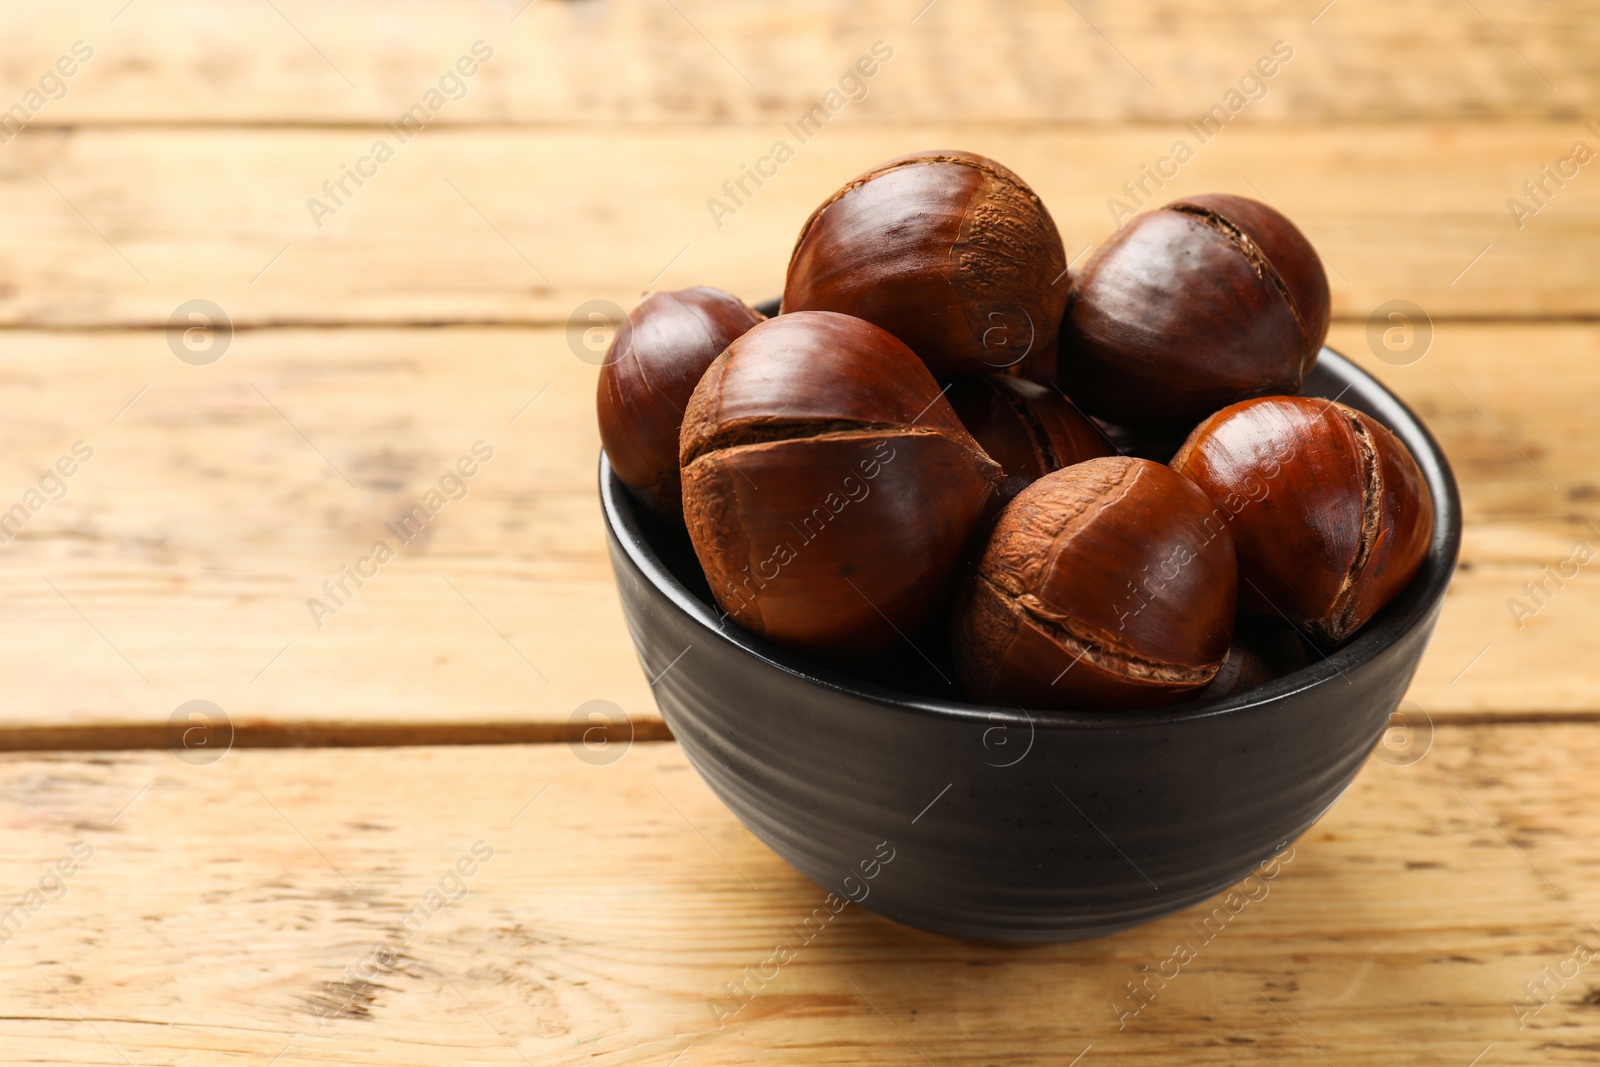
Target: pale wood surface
205	521
224	902
221	908
764	61
121	225
192	541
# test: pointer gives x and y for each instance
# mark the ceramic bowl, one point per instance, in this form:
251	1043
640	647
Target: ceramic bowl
1004	824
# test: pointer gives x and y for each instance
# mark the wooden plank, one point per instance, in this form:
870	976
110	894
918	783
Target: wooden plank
192	541
180	562
122	226
718	60
222	906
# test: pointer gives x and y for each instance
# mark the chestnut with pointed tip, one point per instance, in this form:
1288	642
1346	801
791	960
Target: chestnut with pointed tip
1329	513
653	364
1027	428
1096	589
950	252
1191	307
829	489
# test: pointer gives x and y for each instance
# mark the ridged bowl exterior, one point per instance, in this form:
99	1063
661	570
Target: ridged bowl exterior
1008	825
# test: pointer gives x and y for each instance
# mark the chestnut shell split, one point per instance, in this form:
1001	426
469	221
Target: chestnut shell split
829	490
1329	511
1098	588
1191	307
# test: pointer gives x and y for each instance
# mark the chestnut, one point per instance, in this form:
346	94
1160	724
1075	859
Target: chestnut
828	487
1329	513
950	252
1027	428
1097	589
651	367
1191	307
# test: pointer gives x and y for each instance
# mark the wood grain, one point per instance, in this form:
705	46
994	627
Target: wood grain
120	226
222	905
227	906
180	562
216	505
718	61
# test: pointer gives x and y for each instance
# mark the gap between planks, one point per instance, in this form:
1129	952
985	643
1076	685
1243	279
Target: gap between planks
758	125
1566	318
126	737
119	737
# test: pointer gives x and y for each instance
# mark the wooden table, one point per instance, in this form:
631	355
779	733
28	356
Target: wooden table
403	858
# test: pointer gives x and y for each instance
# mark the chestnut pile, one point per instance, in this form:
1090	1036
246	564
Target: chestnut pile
1093	492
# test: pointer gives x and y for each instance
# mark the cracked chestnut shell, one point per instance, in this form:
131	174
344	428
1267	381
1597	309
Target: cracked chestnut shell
1098	589
653	364
950	252
1191	307
829	490
1330	515
1027	428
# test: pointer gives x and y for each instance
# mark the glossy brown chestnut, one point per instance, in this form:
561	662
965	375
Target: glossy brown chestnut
829	489
1097	589
950	252
653	364
1027	428
1199	304
1329	513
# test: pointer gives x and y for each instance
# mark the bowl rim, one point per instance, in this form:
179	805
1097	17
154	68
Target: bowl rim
1420	600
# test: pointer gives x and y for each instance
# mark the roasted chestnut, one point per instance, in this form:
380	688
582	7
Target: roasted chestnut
1098	588
1027	428
1191	307
950	252
1329	513
653	364
828	487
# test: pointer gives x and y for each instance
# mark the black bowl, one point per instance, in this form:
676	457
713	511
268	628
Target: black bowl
1002	824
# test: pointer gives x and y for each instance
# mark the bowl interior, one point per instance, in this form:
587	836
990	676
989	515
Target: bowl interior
916	675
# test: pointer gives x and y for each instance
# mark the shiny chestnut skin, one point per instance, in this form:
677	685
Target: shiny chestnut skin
1097	590
950	252
1329	513
829	490
653	364
1027	428
1191	307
